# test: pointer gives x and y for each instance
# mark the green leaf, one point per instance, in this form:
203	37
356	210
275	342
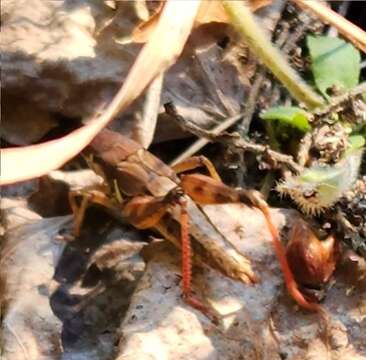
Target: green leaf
356	141
334	62
290	115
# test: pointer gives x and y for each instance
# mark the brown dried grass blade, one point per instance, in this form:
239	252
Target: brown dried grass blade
162	50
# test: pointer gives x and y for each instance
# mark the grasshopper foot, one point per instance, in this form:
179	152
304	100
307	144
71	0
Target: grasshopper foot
194	302
174	196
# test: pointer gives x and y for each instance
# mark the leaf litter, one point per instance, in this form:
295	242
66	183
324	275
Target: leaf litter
80	307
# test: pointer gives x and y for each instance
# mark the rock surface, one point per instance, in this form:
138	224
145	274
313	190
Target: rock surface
258	322
81	311
61	58
30	329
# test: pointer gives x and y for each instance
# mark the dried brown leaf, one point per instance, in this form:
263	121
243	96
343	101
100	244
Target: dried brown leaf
213	11
163	48
209	11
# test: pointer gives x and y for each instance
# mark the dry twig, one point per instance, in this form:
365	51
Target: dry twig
234	140
199	144
340	100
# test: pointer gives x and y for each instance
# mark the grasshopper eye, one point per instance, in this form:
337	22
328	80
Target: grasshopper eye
309	194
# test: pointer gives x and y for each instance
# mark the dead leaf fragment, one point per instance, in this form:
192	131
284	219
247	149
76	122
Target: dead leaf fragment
162	50
213	11
208	12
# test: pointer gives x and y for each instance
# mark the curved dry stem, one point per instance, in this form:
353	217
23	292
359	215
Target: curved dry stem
243	19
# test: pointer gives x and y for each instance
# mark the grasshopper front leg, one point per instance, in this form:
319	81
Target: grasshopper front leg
205	190
195	162
88	196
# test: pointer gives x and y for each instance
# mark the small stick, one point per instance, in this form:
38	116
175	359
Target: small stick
304	147
352	32
199	144
339	100
233	140
342	10
251	104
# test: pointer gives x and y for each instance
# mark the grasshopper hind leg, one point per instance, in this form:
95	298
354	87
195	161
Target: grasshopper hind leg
187	292
205	190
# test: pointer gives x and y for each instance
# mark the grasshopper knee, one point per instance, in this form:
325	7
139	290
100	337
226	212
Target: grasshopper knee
205	190
252	198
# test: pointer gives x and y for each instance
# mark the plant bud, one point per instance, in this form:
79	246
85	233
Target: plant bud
311	260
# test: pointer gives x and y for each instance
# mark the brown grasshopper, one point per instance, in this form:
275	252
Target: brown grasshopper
146	193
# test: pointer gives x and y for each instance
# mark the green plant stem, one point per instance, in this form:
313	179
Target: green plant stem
258	42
